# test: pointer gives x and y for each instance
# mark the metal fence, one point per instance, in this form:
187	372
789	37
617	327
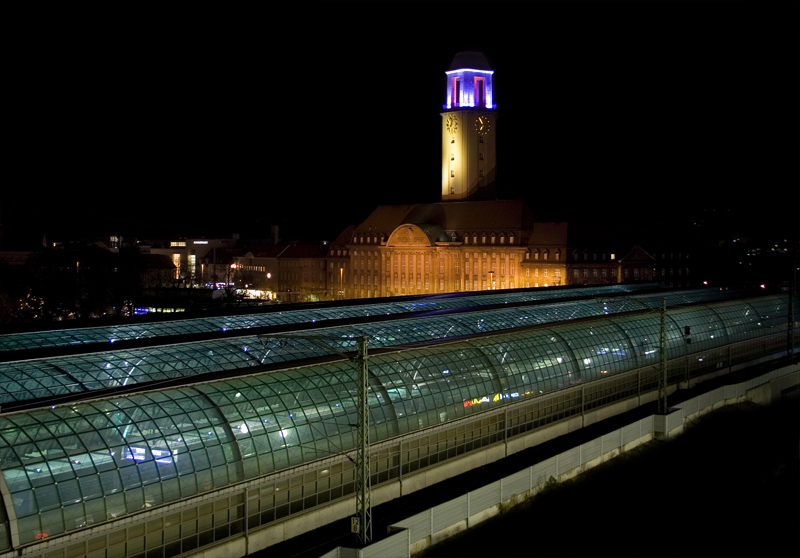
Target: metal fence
435	524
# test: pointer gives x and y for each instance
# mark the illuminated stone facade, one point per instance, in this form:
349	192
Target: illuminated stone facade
454	247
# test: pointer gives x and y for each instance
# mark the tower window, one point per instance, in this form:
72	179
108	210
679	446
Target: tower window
452	156
456	92
452	174
480	92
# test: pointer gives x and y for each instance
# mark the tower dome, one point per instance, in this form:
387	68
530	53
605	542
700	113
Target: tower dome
470	60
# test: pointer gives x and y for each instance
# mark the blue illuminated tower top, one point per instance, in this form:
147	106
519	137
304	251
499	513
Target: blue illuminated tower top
469	82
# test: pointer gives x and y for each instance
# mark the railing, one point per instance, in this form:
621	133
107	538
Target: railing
435	524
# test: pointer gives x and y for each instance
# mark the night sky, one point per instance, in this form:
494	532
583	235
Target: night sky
212	123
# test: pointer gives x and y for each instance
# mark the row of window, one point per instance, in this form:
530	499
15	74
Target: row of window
493	238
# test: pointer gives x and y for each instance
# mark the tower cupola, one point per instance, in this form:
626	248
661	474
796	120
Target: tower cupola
469	82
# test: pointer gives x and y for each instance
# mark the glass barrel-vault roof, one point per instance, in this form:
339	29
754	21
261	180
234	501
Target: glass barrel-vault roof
68	466
277	317
27	380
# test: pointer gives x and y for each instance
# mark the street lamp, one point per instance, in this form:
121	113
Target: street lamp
228	286
341	277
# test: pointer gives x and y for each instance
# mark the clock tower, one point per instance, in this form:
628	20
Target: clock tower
468	130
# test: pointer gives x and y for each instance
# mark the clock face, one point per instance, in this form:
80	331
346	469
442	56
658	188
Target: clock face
451	123
482	124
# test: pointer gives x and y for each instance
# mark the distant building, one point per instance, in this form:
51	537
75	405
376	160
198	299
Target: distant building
198	261
302	274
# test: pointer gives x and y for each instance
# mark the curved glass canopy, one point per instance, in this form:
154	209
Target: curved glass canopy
72	465
276	317
27	380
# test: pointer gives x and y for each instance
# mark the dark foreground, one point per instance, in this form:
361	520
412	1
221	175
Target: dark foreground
729	486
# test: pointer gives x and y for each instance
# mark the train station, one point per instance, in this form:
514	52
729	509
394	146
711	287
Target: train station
234	432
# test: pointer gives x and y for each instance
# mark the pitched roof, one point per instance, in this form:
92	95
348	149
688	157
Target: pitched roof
549	234
513	215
